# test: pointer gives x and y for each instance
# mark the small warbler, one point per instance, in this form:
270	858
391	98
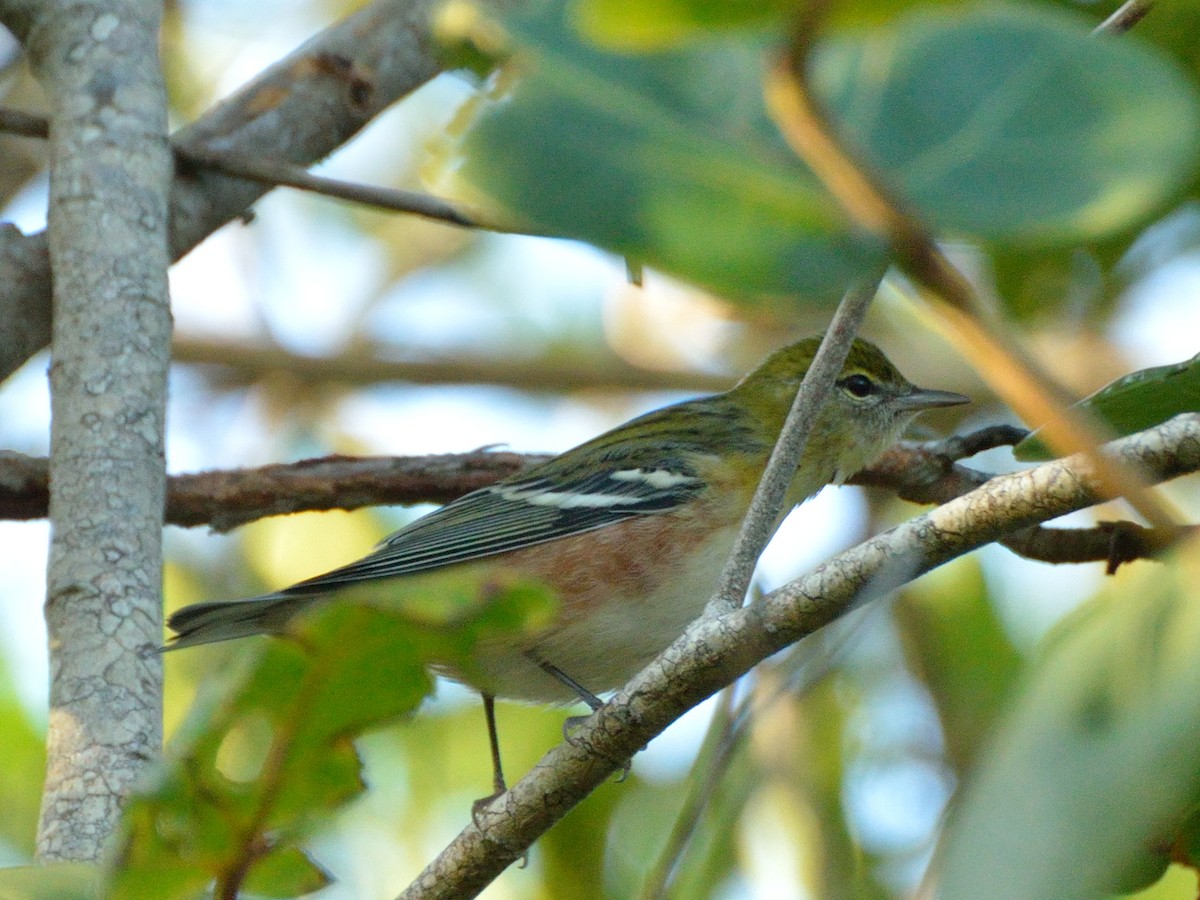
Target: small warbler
630	530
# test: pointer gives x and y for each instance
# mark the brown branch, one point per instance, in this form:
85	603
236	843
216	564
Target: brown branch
299	111
929	474
14	121
920	473
225	500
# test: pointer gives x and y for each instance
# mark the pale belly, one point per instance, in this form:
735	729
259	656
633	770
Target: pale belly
613	622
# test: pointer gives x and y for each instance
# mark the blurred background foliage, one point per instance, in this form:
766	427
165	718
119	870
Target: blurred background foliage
828	772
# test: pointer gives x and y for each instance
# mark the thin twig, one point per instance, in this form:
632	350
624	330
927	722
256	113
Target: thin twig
785	457
282	174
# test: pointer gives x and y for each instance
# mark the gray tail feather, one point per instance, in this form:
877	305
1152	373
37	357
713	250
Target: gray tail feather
224	620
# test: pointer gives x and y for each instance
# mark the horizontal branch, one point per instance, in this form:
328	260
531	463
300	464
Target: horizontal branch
716	651
920	473
249	362
226	499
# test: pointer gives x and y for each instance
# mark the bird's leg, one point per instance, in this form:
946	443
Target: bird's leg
576	688
498	784
587	697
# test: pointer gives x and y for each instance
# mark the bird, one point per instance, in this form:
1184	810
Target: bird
630	530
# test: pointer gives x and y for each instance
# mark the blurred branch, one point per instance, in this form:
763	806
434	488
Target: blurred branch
299	110
1125	17
926	473
553	373
13	121
715	651
996	355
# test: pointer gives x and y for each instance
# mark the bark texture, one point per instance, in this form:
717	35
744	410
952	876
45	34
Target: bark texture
110	166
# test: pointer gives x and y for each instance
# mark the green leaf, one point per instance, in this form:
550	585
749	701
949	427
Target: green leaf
55	881
286	873
1011	123
1100	757
1134	403
1008	124
637	154
957	646
267	754
653	24
23	771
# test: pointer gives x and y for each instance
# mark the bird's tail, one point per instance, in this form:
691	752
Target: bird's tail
224	620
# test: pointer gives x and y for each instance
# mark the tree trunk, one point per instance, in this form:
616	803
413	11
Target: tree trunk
109	173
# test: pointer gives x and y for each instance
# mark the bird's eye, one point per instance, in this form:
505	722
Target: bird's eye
858	385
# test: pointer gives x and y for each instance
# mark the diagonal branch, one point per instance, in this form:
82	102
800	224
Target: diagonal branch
299	110
716	651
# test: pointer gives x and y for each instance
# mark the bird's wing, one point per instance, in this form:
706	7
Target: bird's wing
519	513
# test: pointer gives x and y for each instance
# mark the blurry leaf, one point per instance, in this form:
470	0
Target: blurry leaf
668	158
1134	403
286	873
1176	883
1009	124
659	24
572	853
1012	123
653	24
54	881
816	761
23	769
1099	760
267	753
957	647
1040	285
1143	873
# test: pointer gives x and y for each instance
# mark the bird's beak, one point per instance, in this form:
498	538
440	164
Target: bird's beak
922	398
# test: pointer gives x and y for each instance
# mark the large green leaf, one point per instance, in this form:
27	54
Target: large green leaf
1138	401
1099	761
268	754
667	157
1008	124
1013	123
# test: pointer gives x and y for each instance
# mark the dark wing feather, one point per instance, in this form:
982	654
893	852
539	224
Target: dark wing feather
520	513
